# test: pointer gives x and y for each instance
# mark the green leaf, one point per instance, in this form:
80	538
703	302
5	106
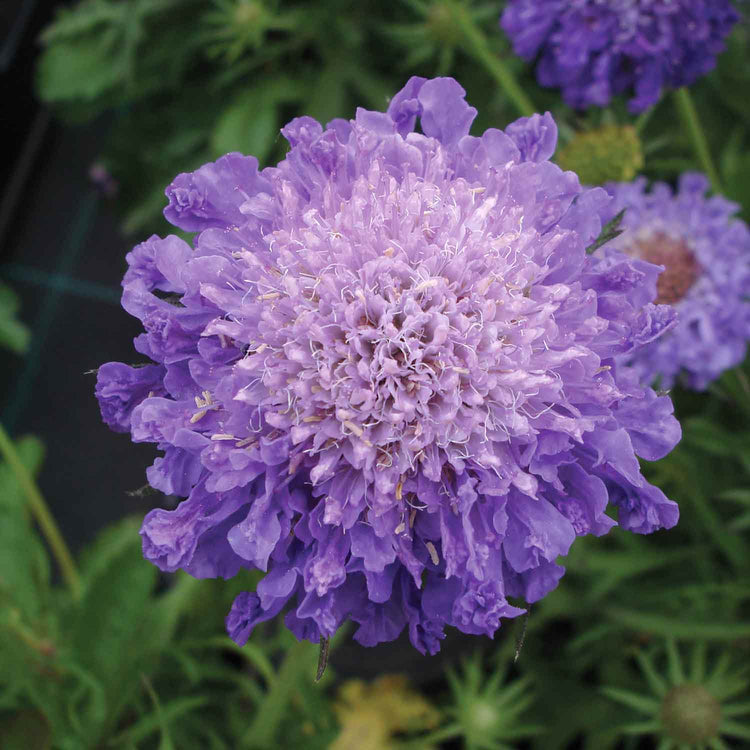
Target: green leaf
86	703
609	231
152	722
678	628
85	17
110	630
635	701
24	565
81	69
250	123
13	334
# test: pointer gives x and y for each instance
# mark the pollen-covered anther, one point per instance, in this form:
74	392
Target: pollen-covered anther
352	427
399	489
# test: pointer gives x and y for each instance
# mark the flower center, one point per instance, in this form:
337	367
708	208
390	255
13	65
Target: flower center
690	714
681	269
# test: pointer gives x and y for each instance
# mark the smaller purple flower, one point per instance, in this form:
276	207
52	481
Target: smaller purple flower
595	49
705	253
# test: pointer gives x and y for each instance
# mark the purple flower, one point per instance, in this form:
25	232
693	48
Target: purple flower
705	253
390	376
595	49
120	388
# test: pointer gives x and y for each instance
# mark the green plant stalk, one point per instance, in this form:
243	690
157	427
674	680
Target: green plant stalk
42	515
475	44
692	122
298	665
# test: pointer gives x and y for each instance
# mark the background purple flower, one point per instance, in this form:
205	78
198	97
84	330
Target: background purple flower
706	256
594	49
390	376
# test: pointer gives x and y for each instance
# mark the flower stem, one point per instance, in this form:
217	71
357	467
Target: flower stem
700	144
41	514
475	44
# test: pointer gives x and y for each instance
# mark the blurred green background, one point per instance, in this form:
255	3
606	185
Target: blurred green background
645	643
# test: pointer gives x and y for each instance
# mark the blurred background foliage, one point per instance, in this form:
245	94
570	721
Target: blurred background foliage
645	643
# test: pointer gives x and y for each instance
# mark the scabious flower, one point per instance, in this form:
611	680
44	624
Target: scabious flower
594	49
389	373
705	253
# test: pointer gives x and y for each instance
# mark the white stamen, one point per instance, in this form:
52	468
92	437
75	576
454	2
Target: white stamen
223	436
355	428
426	284
433	553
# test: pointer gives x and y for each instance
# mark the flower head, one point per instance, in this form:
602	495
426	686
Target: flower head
688	708
595	49
389	374
705	253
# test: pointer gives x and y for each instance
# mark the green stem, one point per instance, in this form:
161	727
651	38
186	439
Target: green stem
700	144
41	514
475	44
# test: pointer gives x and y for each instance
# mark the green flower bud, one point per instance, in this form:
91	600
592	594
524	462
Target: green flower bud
610	153
690	714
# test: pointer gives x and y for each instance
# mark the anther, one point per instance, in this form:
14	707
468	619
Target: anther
433	553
